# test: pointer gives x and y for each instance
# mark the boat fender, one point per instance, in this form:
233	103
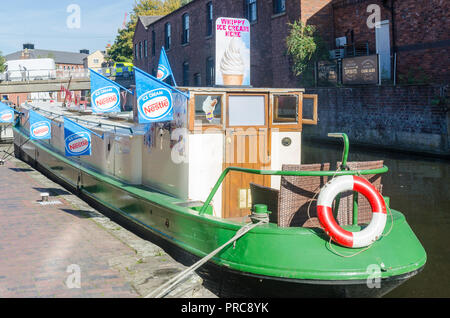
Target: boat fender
368	235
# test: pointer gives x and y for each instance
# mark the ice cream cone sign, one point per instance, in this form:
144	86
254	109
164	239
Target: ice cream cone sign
232	52
209	105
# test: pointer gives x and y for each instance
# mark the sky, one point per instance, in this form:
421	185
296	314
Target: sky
61	25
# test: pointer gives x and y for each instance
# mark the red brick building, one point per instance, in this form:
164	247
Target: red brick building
418	35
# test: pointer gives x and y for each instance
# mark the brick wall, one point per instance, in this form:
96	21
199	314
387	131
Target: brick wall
421	33
270	65
140	35
403	117
320	14
353	15
421	36
17	99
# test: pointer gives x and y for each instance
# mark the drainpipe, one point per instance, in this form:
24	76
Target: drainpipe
394	42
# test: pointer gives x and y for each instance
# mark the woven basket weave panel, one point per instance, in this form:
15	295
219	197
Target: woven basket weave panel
345	212
296	194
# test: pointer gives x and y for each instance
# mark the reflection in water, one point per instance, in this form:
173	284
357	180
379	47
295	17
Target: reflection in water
419	188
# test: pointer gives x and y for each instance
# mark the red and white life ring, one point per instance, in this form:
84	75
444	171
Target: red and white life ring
324	211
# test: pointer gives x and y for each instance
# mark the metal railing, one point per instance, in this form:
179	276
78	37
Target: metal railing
88	122
60	74
338	172
42	75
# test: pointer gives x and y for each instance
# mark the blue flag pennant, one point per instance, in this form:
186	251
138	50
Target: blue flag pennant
164	69
105	94
154	98
40	126
6	114
77	139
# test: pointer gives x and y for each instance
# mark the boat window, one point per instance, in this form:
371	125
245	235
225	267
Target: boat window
309	109
246	110
208	109
285	109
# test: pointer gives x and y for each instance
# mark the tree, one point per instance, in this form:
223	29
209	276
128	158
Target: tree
305	47
122	49
2	63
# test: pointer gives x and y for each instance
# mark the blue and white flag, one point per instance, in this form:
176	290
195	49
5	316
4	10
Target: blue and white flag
6	114
154	98
164	69
40	127
105	94
77	139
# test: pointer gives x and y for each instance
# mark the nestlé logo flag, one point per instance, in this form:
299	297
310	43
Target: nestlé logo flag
164	69
6	114
154	99
40	127
105	96
77	139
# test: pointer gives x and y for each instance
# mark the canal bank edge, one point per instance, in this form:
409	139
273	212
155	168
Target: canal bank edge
148	268
412	118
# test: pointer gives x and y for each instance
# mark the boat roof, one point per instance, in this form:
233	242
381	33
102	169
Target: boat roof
117	122
241	89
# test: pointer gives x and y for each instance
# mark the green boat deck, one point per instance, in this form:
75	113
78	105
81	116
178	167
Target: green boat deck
268	250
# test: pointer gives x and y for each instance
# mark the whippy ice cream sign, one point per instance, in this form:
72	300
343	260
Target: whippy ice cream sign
232	51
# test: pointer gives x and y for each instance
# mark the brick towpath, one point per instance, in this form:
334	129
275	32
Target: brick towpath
43	248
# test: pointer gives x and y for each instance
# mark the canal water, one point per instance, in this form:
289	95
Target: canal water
419	188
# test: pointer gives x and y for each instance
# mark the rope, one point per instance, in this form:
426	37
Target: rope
347	256
369	246
164	289
317	191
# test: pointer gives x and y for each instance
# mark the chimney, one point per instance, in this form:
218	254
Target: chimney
84	51
25	54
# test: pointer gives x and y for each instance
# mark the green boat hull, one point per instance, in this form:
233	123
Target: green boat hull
284	262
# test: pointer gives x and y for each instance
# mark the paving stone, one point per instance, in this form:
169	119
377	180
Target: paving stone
42	247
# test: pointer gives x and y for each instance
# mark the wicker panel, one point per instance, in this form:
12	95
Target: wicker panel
345	213
267	196
296	194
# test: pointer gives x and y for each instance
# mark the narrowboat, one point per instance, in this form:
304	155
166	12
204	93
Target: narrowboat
228	156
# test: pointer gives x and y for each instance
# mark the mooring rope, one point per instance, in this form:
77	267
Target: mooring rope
317	191
164	289
367	247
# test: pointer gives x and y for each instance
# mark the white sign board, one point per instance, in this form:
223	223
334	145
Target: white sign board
232	52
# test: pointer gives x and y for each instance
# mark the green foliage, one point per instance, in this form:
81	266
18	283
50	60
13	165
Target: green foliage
122	49
2	63
415	75
305	47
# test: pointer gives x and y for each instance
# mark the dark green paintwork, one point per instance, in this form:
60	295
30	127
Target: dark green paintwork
297	253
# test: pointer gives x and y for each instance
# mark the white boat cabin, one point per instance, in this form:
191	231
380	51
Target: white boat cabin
257	128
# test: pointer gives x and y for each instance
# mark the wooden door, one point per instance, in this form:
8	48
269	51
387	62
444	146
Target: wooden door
246	148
